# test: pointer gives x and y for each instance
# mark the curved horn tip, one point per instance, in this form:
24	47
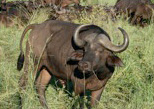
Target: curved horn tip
120	28
117	49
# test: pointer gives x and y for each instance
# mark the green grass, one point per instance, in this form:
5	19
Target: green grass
131	86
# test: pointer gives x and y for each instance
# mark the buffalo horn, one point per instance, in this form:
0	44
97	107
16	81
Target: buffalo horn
117	49
78	41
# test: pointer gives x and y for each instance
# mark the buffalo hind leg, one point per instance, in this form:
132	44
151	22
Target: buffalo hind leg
41	83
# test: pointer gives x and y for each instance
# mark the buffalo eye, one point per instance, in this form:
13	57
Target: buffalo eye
76	55
114	61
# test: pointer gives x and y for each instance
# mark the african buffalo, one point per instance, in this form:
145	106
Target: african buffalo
135	1
82	54
142	15
127	5
133	8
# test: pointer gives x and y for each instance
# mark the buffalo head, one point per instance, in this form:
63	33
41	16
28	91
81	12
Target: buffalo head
97	52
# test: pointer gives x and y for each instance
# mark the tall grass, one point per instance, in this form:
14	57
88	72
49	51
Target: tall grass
131	86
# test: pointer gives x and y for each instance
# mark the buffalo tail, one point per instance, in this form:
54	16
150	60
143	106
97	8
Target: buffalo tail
20	61
21	56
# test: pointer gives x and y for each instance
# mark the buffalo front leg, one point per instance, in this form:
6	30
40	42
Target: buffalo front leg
82	100
41	83
95	96
80	90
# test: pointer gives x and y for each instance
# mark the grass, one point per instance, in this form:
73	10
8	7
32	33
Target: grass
131	86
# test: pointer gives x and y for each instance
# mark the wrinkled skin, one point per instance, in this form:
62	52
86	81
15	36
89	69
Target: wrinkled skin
78	57
133	9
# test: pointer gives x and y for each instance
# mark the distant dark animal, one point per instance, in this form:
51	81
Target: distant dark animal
127	5
142	15
83	54
132	8
133	2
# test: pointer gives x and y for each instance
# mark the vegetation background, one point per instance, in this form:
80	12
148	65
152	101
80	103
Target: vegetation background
131	86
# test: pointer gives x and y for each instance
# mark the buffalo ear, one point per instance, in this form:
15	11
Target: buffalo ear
76	56
114	61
